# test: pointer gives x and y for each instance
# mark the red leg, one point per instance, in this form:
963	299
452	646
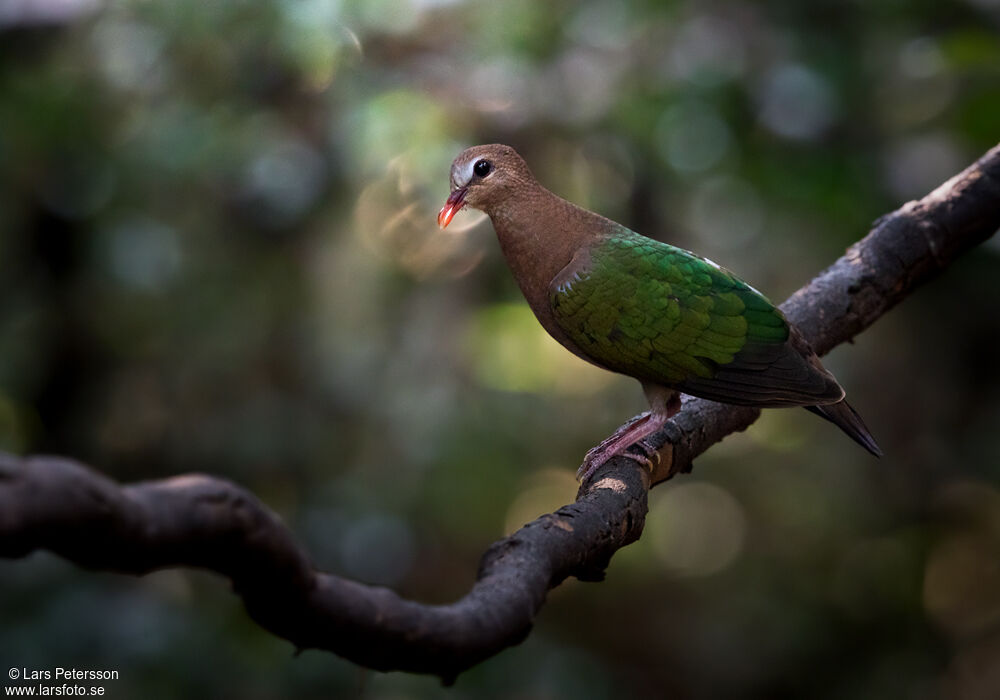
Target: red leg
626	436
640	427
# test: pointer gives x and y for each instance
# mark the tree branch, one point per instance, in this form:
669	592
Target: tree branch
201	521
903	250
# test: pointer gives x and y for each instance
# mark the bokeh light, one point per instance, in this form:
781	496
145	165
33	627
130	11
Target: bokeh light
696	529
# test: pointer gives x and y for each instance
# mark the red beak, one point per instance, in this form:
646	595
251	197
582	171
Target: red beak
455	201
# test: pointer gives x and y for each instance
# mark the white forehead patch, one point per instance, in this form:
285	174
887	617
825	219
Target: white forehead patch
461	173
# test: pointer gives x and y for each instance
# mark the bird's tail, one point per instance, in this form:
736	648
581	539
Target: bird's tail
847	419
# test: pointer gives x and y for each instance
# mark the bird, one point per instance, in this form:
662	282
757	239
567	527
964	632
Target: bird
675	321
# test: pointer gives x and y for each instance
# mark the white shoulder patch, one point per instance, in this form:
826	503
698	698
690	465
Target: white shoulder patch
714	264
720	268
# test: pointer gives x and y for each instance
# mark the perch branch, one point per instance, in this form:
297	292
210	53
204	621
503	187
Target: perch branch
903	250
200	521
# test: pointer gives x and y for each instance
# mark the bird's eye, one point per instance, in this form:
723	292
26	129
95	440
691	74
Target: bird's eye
482	168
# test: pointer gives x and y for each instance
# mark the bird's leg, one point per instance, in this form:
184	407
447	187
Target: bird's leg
664	404
623	438
641	418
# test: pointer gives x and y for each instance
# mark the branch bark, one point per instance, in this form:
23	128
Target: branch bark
201	521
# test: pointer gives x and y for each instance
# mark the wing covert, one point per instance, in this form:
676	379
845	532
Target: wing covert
666	316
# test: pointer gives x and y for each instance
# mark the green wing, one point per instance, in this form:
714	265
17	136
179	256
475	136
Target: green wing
669	317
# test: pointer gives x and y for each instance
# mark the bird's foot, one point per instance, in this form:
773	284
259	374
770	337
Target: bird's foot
617	435
647	458
632	433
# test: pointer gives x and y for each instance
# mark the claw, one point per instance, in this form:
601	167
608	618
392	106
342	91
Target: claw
632	433
650	451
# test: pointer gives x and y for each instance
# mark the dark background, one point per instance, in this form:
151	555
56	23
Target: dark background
218	253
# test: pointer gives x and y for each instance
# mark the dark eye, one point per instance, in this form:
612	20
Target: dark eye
482	168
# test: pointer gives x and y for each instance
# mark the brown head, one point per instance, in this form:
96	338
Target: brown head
540	233
483	177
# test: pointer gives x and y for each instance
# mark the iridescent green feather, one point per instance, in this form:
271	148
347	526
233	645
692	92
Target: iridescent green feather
669	317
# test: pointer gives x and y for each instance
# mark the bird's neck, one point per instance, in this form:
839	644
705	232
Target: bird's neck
539	234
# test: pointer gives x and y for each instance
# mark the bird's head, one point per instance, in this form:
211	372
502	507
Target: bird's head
482	177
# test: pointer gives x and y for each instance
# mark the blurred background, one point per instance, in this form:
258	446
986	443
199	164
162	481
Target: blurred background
218	253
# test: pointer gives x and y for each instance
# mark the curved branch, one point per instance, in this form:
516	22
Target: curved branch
201	521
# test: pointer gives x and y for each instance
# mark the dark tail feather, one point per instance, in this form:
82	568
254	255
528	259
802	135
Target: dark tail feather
847	419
